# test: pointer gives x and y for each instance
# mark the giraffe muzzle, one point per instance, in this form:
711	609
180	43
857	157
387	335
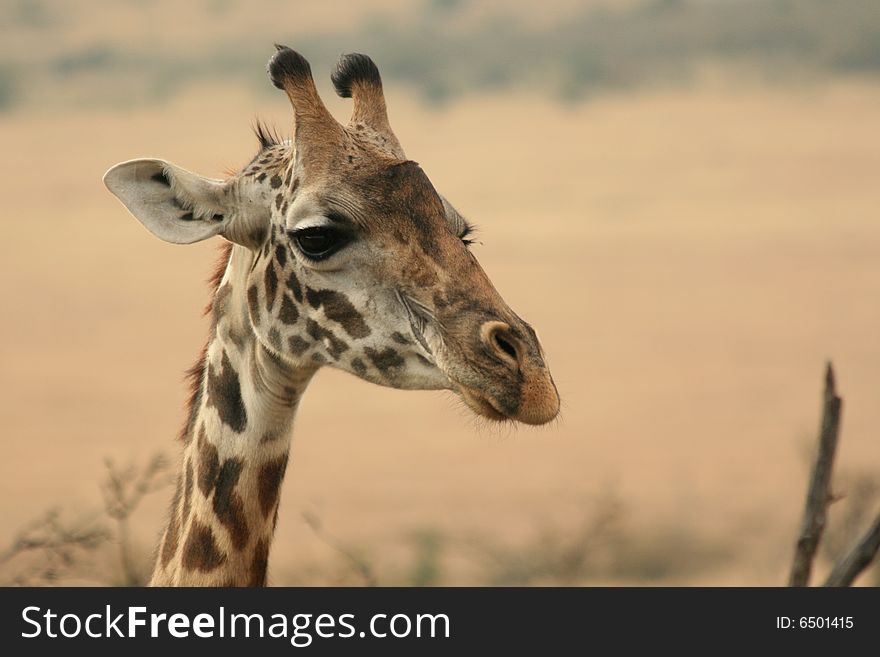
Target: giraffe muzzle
530	395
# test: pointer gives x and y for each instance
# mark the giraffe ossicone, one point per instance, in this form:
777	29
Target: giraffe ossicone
339	252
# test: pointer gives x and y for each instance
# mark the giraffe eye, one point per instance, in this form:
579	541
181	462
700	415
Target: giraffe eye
320	242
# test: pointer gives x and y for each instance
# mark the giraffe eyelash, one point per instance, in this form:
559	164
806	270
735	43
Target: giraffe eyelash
466	234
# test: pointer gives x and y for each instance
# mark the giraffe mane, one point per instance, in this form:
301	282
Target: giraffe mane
196	372
267	135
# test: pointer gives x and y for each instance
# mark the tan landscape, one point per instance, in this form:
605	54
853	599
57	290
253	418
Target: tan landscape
690	257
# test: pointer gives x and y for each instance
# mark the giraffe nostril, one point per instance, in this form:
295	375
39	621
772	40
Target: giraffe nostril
498	337
505	346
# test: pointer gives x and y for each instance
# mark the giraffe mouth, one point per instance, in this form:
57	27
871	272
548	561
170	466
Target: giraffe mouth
482	405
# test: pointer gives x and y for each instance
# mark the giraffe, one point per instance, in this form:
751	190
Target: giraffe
338	252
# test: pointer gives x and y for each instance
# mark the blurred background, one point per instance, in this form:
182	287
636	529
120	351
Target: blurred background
680	195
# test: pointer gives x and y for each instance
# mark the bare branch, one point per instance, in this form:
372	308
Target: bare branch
59	547
48	533
361	566
124	489
860	557
49	549
819	490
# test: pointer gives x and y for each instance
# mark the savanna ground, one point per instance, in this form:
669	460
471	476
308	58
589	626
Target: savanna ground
690	255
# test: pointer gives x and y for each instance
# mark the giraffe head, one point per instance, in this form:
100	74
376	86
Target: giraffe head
352	257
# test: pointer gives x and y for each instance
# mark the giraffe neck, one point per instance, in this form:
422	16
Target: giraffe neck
236	446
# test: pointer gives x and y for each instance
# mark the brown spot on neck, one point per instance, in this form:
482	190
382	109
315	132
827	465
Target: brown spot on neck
187	490
228	504
288	313
271	284
209	463
172	533
259	564
224	394
200	551
269	483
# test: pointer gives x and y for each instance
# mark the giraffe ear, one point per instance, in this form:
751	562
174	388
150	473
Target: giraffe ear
174	204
